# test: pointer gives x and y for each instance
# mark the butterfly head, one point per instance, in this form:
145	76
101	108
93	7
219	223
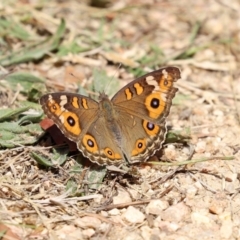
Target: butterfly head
103	96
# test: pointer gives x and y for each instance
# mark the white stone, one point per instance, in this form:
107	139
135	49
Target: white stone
175	213
98	199
156	207
87	233
150	233
104	227
226	229
88	222
114	212
168	226
199	218
200	147
146	232
104	213
69	232
122	197
132	236
133	215
145	186
191	191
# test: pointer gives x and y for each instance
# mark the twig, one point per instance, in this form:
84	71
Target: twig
192	161
123	205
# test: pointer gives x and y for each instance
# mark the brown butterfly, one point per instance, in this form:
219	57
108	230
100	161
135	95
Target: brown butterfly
130	127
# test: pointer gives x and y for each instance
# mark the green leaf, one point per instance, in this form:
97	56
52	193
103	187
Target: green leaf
73	47
178	136
12	29
59	156
71	187
14	135
29	84
30	105
56	158
41	160
154	57
33	118
82	90
10	113
2	233
36	51
101	80
137	72
95	176
77	168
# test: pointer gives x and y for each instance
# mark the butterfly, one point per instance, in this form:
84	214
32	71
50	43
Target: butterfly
128	128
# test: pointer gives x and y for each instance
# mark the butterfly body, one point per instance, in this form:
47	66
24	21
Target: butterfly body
130	127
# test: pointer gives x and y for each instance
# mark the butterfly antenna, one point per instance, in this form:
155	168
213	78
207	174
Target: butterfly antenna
110	82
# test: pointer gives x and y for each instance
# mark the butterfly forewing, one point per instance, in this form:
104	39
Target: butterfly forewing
72	113
150	96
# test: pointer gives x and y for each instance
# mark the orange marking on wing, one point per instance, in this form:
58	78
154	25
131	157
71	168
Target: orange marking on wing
152	132
166	83
112	155
90	143
71	122
75	102
140	146
139	88
84	103
128	94
157	111
54	107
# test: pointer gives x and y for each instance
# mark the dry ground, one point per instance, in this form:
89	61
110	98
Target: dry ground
200	200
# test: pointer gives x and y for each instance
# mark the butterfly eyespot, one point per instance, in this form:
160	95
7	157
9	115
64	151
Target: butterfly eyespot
71	121
165	82
54	107
150	126
155	103
90	143
111	154
140	145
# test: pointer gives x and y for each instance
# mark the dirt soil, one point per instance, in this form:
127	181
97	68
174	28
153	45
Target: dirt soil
124	39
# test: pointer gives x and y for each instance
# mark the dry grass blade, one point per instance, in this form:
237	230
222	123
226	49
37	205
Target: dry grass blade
224	158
